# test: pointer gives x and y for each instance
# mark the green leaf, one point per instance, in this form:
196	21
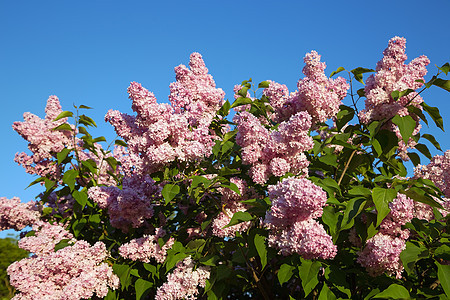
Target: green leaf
99	139
209	260
445	68
264	84
415	158
326	293
398	94
40	179
444	277
83	119
434	114
285	273
344	115
62	244
243	91
357	73
91	165
424	150
417	111
432	140
419	195
330	218
241	101
61	156
85	107
361	92
354	207
142	288
406	126
64	114
62	127
80	197
49	184
170	191
226	147
260	244
308	272
394	291
69	178
340	69
172	260
120	143
444	84
197	180
410	255
123	272
111	295
232	186
381	197
78	225
239	217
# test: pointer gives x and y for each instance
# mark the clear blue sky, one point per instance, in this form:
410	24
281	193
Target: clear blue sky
87	52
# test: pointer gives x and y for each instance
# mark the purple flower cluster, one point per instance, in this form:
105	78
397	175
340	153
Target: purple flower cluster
17	215
71	273
43	142
131	205
392	74
147	247
295	204
183	282
161	133
382	252
438	171
274	152
317	94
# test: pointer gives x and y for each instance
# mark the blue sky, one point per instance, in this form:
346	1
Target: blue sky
87	52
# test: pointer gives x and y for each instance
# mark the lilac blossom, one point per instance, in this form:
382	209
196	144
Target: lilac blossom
317	94
292	228
392	74
184	281
147	247
162	133
17	215
274	152
71	273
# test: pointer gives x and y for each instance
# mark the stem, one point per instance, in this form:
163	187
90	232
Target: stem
346	166
255	277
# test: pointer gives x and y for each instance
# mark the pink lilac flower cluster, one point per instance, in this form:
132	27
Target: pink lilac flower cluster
296	202
184	281
43	142
131	205
274	152
392	74
382	252
438	171
161	133
317	94
72	273
46	237
230	205
17	215
147	247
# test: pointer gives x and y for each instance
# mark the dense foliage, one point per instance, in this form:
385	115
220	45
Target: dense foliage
9	253
300	195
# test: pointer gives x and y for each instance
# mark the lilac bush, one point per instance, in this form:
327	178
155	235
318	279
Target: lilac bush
301	195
